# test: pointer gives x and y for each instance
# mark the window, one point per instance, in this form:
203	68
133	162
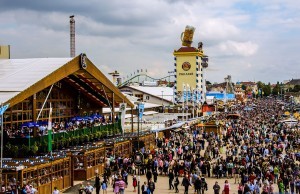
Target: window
147	97
140	96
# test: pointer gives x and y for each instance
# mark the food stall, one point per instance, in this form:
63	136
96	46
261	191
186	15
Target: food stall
87	161
42	172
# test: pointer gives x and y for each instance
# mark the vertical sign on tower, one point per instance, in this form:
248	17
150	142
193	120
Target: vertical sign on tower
141	110
123	112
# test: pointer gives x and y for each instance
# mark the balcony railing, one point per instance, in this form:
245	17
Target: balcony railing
39	144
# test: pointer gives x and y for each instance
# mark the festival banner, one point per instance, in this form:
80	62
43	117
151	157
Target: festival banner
123	112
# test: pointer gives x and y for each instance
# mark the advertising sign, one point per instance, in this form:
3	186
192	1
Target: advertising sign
141	110
138	159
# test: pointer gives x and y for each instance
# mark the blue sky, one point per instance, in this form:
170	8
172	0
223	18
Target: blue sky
249	40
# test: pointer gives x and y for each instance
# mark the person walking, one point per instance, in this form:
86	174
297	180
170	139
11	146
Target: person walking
134	183
145	188
176	183
9	190
155	174
122	185
151	185
171	178
89	188
33	190
81	188
55	191
216	188
203	185
280	186
116	186
186	183
148	175
104	186
226	187
197	185
240	188
97	184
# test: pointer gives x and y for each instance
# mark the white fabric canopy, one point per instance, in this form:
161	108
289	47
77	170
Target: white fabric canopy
16	75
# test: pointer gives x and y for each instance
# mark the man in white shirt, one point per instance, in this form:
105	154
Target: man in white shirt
55	191
144	188
33	190
89	188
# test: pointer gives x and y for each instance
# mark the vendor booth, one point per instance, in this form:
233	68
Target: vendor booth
43	173
149	140
87	161
211	126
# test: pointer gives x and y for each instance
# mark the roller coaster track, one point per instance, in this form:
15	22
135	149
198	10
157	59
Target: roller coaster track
141	75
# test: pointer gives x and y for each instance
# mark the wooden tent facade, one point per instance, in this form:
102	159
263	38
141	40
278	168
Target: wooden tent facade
76	89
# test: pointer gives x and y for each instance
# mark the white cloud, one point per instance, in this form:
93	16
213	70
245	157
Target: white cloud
238	36
218	29
238	48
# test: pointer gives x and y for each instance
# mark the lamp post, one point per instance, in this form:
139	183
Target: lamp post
139	178
216	107
193	104
162	101
170	72
187	101
183	99
281	88
217	123
138	126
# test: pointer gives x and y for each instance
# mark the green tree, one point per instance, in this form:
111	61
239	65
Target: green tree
260	85
296	88
267	89
244	87
276	89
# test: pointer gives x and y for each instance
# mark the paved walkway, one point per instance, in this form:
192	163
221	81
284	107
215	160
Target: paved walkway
162	186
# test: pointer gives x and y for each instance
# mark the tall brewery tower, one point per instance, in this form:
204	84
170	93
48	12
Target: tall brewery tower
190	64
72	36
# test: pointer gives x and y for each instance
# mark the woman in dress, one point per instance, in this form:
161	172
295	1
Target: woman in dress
104	186
240	188
134	183
116	186
226	188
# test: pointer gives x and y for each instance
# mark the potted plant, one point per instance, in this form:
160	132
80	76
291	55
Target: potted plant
34	148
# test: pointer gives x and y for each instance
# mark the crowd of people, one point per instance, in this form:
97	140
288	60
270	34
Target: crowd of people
41	128
255	149
252	152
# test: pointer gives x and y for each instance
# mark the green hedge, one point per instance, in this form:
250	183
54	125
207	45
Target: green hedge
63	139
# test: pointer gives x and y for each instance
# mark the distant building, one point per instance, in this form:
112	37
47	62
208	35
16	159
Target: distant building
218	87
155	95
5	52
250	86
239	92
221	95
292	83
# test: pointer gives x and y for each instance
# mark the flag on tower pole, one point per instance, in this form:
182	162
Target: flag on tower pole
187	101
183	99
50	130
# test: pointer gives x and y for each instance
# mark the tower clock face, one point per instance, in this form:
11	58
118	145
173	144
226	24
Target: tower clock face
186	66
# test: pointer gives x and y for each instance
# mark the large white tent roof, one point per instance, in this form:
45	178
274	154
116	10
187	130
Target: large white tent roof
16	75
166	93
